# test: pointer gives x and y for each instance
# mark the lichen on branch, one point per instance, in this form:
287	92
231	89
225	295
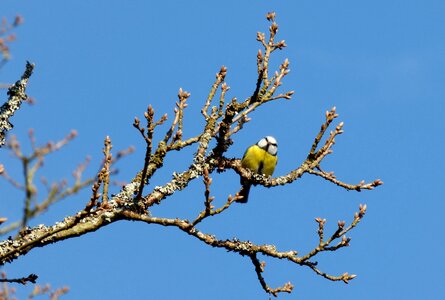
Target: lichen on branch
16	95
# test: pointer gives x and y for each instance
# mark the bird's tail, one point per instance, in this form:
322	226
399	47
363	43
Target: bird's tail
244	193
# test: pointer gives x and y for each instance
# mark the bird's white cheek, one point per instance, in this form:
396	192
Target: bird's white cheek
272	150
262	143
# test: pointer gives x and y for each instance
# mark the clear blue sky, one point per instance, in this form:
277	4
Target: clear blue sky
381	63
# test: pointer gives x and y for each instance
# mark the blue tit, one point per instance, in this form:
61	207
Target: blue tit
260	158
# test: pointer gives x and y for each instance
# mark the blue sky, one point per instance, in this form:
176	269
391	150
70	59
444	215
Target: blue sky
381	63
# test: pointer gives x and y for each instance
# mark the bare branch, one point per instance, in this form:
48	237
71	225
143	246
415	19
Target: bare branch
24	280
104	174
219	79
17	94
178	121
209	208
358	187
259	269
339	233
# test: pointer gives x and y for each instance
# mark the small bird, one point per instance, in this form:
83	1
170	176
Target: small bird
260	158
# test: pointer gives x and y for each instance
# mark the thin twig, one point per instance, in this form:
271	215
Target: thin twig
24	280
259	269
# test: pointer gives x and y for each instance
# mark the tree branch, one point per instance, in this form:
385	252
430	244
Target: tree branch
24	280
16	95
222	121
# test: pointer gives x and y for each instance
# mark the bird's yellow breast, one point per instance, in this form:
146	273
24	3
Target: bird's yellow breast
259	160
